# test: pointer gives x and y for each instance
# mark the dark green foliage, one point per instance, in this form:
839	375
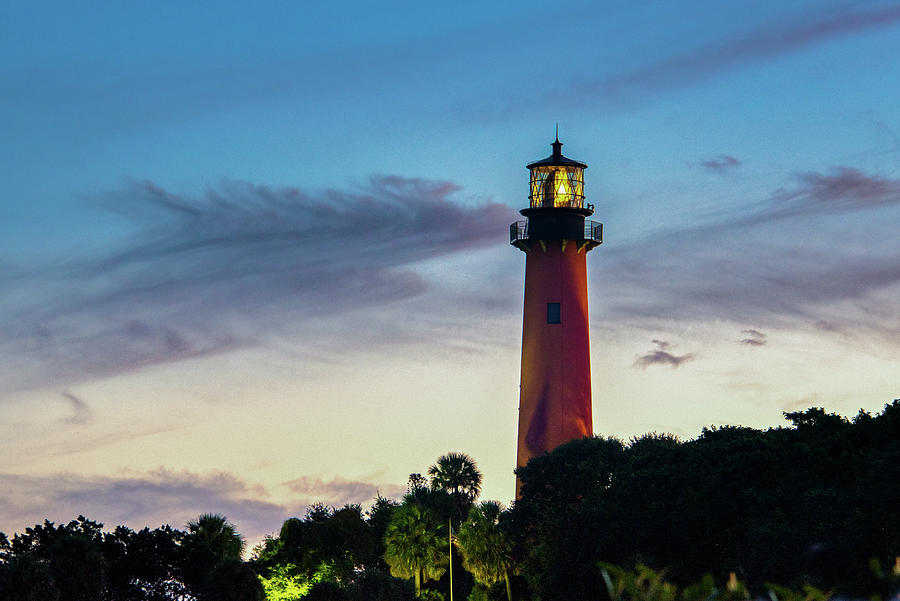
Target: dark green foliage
378	585
494	592
344	541
343	550
292	540
142	565
78	568
79	562
415	483
211	545
213	538
813	506
646	584
557	527
486	547
64	561
808	504
233	580
455	484
26	578
417	545
340	539
378	518
432	595
326	591
319	512
458	475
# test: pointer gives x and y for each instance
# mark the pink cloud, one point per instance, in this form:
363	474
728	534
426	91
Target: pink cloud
662	356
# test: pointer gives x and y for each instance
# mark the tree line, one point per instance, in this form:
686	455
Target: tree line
723	516
397	550
815	503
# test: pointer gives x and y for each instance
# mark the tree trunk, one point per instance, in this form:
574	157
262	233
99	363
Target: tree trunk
418	582
508	589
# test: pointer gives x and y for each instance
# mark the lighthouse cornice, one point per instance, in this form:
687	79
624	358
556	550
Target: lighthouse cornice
585	211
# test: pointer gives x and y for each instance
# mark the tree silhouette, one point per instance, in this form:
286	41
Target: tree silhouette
143	565
26	578
48	559
214	534
813	503
233	580
457	474
342	541
378	519
211	542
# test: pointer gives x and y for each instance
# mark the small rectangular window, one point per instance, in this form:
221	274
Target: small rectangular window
553	313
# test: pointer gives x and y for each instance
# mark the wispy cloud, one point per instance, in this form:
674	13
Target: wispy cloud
81	412
754	338
766	42
631	88
200	270
841	189
171	497
662	356
720	164
821	250
340	491
148	499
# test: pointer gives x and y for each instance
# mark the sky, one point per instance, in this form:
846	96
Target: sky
255	257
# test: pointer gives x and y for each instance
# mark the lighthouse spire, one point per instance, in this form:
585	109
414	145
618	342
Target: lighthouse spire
557	145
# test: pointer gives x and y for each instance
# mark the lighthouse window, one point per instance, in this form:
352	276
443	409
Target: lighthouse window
553	313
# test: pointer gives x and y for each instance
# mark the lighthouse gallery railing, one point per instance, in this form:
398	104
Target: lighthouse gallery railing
518	230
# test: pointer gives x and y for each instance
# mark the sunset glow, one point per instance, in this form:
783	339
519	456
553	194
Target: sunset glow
249	261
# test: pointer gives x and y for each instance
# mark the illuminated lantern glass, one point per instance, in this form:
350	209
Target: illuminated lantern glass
557	182
557	186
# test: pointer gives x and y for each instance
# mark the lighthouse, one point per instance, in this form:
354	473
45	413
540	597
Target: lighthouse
555	386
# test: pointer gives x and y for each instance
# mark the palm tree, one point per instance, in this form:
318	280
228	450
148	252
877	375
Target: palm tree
210	542
215	534
486	550
415	547
457	474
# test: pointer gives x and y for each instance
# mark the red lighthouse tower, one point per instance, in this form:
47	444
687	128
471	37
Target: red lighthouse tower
555	390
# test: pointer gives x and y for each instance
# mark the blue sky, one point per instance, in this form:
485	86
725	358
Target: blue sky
251	258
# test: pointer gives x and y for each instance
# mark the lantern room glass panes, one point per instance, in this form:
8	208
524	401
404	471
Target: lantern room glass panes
557	186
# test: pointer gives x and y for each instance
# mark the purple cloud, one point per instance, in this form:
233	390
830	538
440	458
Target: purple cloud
822	250
151	499
166	497
339	491
661	356
841	189
720	164
239	253
754	338
81	412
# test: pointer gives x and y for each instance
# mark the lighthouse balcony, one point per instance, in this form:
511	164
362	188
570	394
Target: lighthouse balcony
519	231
